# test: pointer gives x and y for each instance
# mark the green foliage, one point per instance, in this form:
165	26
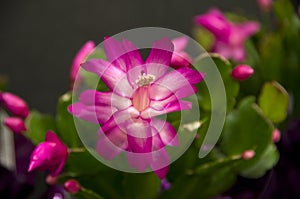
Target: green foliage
65	122
268	160
247	129
231	86
138	186
38	124
274	101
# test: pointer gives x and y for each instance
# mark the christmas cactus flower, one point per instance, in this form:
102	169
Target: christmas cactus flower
138	92
50	155
229	37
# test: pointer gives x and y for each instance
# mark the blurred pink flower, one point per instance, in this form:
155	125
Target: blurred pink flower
15	124
80	57
242	72
265	5
180	58
50	155
229	37
138	91
14	104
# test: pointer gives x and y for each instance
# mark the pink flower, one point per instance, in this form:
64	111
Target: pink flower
72	186
138	91
265	5
180	58
14	104
81	55
15	124
49	155
229	37
242	72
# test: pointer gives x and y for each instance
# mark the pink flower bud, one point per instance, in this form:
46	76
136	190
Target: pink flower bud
242	72
72	186
49	155
81	55
50	180
265	5
249	154
276	135
14	104
15	124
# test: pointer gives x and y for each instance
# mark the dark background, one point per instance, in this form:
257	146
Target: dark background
39	38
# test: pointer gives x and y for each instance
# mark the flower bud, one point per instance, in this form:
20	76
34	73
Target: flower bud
81	55
50	180
49	155
15	124
265	5
14	104
276	135
72	186
249	154
242	72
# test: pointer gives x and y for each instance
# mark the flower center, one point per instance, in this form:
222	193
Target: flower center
140	98
145	79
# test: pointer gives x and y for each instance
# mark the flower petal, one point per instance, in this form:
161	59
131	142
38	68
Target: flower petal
120	117
85	50
173	81
124	54
93	97
166	131
160	163
140	161
134	57
114	51
180	43
216	23
249	28
172	107
162	173
94	114
55	171
107	72
111	143
181	60
52	137
139	138
160	55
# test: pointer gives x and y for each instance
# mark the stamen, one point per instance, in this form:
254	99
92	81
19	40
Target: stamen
145	79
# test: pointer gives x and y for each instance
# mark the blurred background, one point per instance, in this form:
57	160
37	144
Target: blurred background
39	38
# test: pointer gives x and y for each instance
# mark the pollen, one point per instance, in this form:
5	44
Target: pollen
145	79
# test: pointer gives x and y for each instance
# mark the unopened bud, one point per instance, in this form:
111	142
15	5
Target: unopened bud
242	72
249	154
